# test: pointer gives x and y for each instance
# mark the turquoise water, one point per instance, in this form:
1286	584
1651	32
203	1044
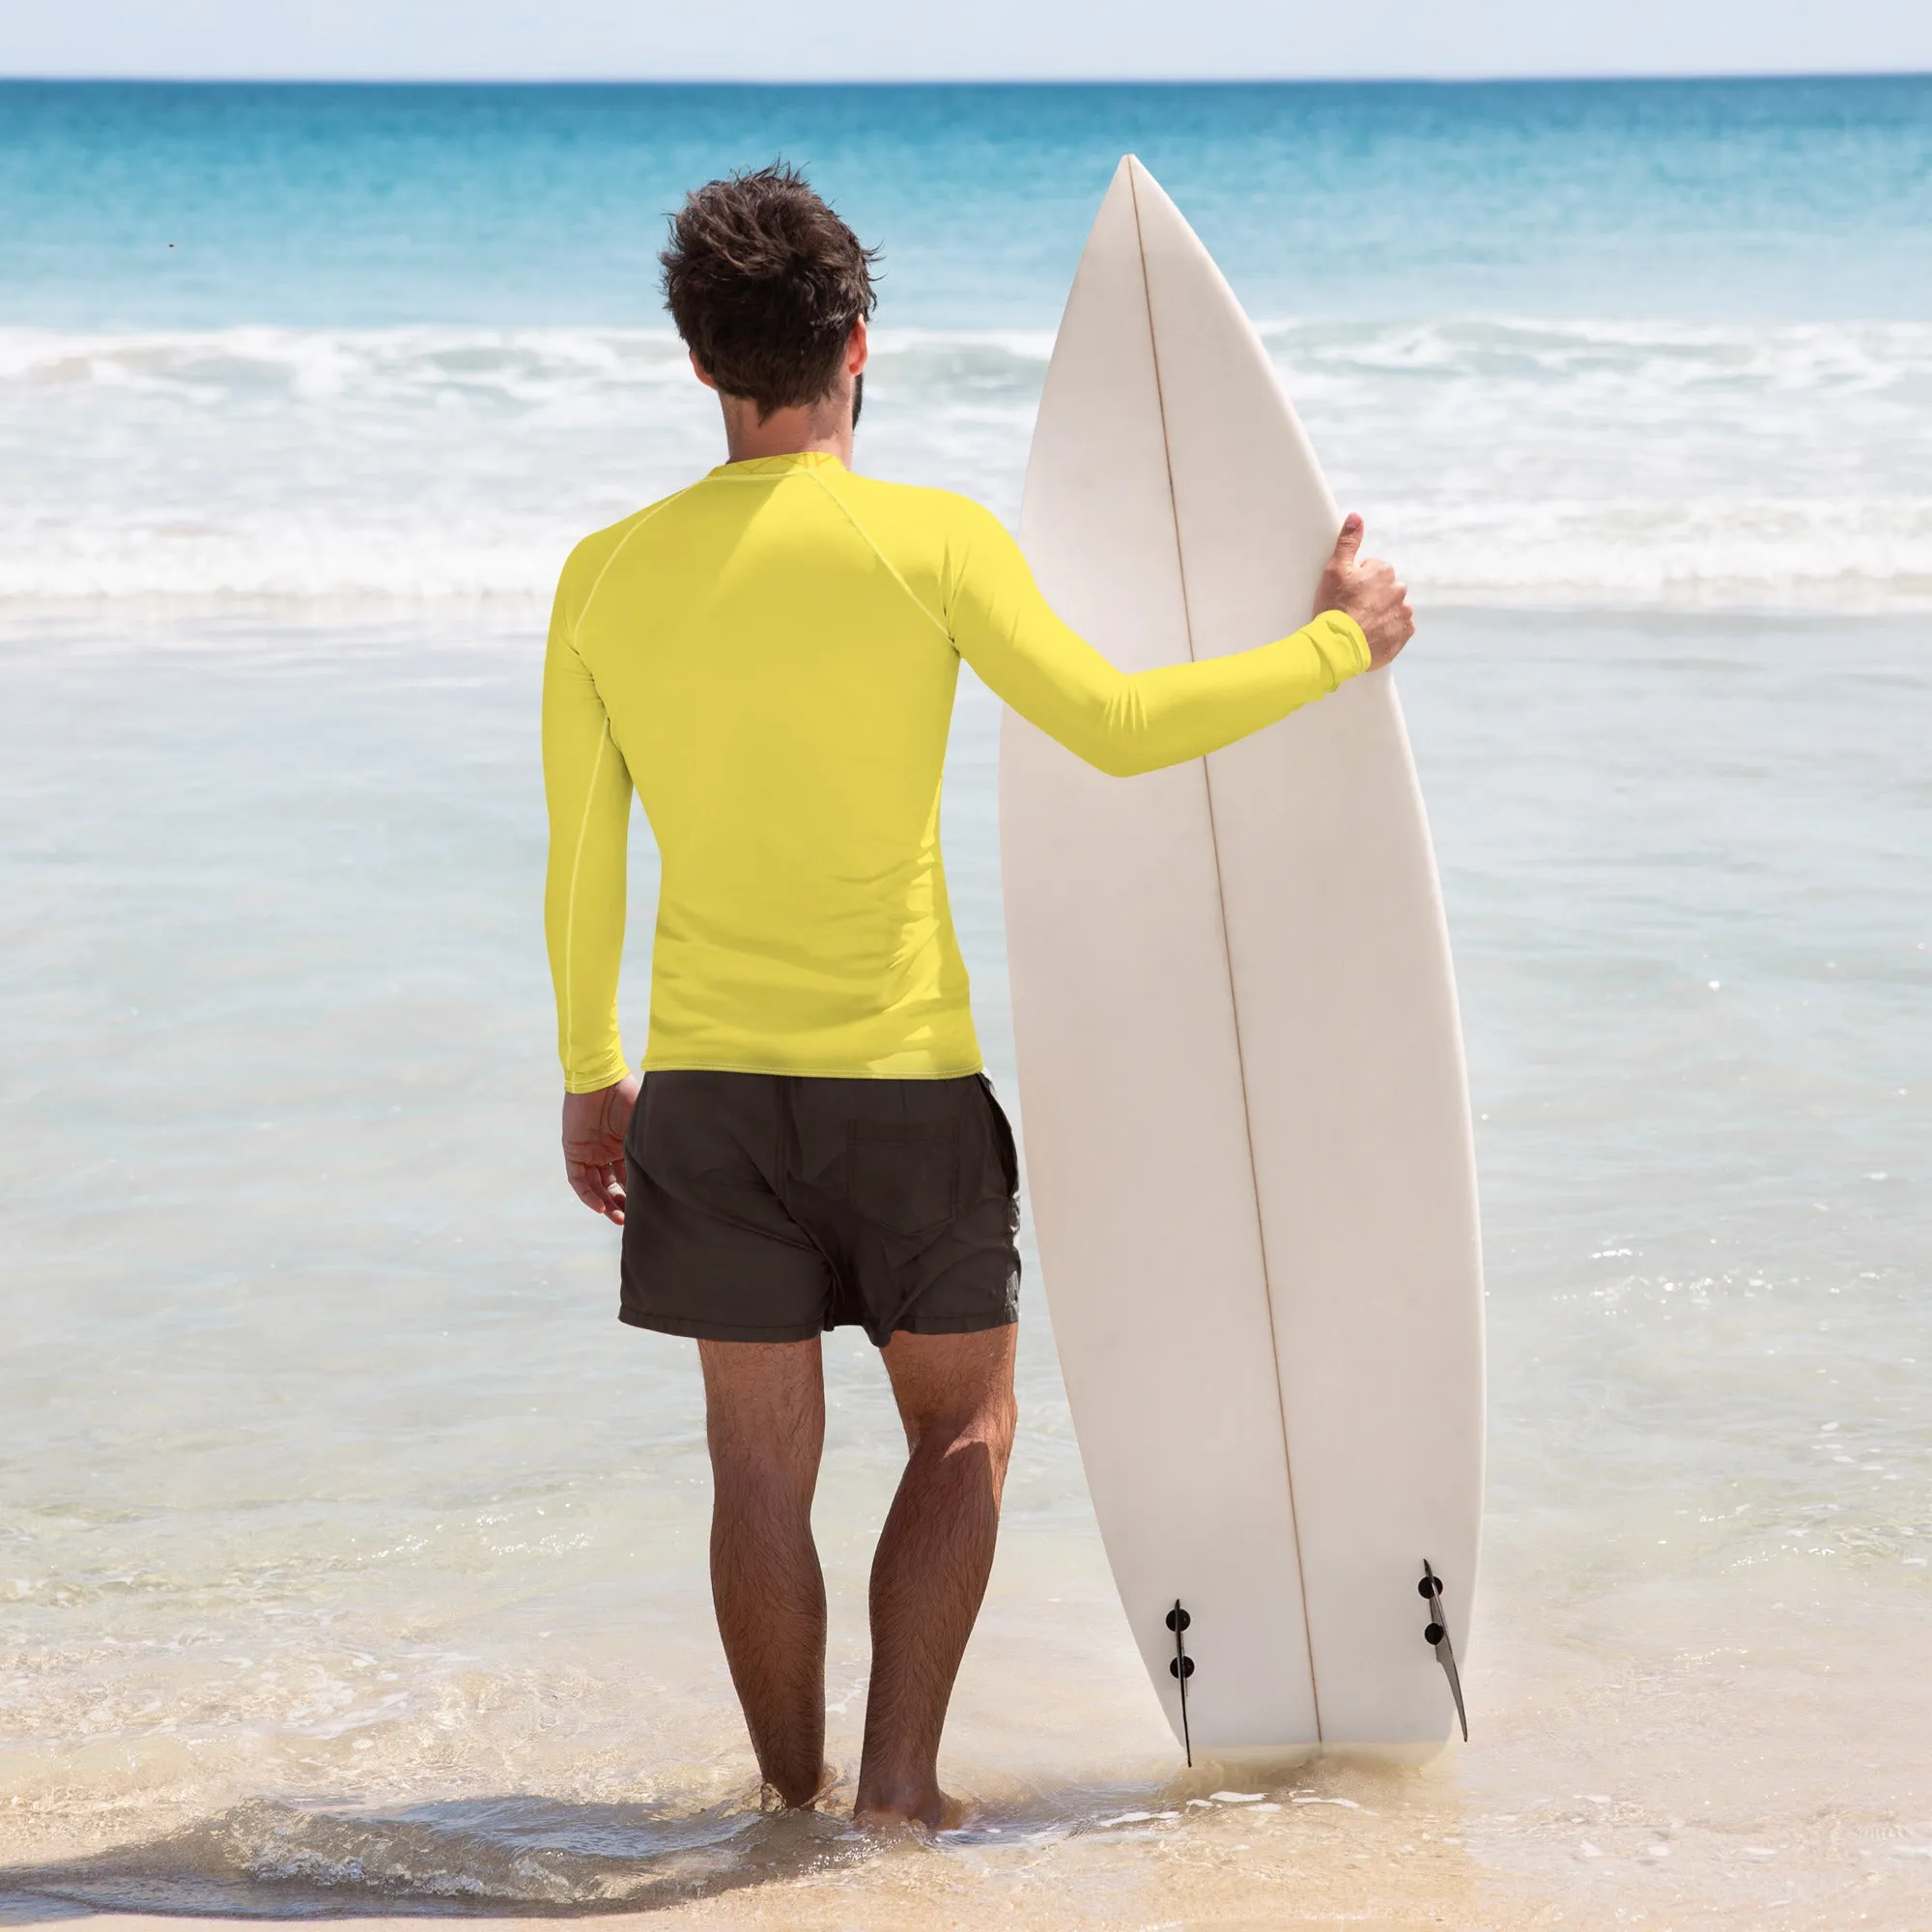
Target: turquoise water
369	207
352	1556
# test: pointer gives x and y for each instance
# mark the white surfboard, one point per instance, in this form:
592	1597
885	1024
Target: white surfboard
1241	1082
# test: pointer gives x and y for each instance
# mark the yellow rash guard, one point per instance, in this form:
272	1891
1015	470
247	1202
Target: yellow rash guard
769	657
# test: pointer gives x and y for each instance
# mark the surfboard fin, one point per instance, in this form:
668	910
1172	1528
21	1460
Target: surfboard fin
1182	1669
1437	1636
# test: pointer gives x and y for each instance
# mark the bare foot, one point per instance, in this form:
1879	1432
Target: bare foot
934	1810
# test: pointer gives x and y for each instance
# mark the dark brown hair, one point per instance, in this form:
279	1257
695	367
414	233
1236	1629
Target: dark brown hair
765	283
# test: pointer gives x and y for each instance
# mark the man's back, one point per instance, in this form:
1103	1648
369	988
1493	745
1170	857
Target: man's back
780	691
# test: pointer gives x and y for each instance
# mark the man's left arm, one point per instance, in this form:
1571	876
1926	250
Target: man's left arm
1124	723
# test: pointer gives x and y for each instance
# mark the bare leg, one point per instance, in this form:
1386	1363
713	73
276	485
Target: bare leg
955	1396
765	1422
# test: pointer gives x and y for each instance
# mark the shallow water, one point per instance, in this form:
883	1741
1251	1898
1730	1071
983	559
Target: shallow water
354	1555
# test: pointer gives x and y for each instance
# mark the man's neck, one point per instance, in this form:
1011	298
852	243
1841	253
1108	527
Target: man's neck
824	427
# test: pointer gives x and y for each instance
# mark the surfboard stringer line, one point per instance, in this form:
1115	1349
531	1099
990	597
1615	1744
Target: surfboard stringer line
1234	1006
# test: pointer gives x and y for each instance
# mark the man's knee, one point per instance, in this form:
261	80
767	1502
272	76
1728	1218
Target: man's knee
986	1430
971	1412
955	1384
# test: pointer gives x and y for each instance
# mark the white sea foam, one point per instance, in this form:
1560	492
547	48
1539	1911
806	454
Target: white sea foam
1569	463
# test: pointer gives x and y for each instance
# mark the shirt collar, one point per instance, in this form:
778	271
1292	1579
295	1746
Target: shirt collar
779	465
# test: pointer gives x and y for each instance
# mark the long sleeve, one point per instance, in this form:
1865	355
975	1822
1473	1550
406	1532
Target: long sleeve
588	788
1126	723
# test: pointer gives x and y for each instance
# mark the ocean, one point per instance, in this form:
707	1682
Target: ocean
351	1557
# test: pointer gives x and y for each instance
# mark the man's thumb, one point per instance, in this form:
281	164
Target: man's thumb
1350	541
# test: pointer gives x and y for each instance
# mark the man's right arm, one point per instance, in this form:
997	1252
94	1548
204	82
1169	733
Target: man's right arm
1126	723
587	789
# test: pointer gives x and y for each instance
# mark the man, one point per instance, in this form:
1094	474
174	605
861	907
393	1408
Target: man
769	659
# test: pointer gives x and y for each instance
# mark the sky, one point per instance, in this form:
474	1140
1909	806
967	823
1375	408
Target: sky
958	40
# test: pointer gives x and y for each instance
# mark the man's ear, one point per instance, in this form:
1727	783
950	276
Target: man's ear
858	347
699	370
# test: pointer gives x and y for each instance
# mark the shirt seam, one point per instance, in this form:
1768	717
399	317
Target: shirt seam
623	542
745	473
570	904
871	543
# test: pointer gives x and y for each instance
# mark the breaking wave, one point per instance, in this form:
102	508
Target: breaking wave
1563	463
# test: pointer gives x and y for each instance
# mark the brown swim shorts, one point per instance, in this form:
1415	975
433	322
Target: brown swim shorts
768	1207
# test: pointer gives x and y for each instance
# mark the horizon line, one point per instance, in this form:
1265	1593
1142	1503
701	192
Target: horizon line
1620	78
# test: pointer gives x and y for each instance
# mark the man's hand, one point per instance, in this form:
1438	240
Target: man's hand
593	1144
1366	589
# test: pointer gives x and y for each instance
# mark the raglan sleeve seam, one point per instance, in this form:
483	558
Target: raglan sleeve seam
587	786
878	550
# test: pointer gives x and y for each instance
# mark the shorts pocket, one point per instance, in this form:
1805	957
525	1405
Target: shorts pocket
904	1178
